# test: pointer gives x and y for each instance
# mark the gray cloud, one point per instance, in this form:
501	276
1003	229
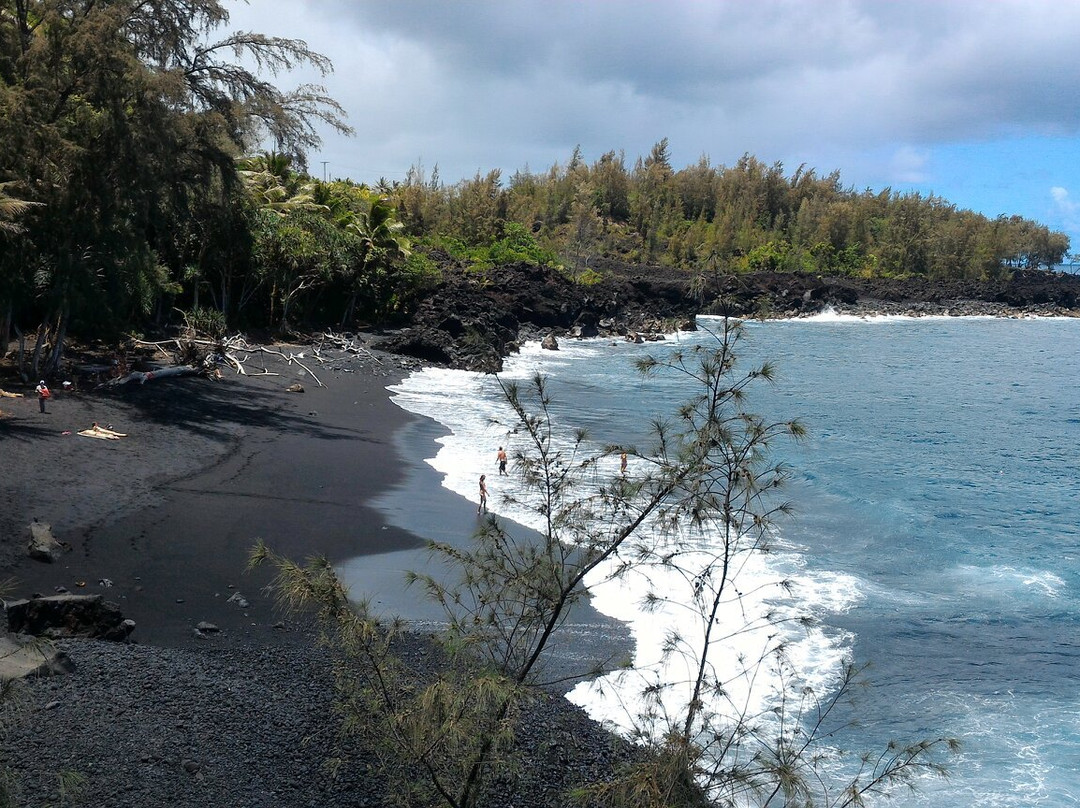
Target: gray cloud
506	83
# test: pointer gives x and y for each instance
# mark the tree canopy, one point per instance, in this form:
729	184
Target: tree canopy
120	125
741	218
132	184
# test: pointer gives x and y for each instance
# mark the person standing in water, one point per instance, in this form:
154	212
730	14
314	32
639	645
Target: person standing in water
502	462
483	495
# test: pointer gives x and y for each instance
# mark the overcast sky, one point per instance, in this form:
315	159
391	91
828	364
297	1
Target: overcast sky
978	102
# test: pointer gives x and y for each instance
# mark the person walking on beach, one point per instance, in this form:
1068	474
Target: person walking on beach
43	394
483	495
502	462
622	464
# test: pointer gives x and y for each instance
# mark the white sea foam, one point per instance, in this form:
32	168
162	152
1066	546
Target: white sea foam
747	629
473	409
1043	582
831	315
1010	582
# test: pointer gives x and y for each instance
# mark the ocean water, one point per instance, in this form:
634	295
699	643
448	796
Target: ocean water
936	533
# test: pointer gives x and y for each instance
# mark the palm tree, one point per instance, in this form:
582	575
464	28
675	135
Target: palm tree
275	186
10	207
380	244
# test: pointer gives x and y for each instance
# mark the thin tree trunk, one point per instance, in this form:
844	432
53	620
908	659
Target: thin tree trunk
53	364
35	361
225	302
22	353
5	330
349	309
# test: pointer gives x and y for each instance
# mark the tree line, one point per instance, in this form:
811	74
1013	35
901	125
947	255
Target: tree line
744	218
123	190
134	190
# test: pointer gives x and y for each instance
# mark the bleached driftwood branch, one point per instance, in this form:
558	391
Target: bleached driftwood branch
344	342
289	358
236	352
142	378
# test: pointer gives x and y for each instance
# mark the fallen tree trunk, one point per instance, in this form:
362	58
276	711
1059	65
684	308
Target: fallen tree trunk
225	351
142	378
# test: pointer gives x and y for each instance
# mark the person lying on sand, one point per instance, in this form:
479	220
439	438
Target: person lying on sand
104	433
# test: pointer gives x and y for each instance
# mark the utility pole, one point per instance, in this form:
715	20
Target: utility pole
324	162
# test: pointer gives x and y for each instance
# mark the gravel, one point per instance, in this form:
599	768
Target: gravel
240	727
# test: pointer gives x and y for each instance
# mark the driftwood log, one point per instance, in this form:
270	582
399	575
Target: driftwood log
348	343
144	377
197	356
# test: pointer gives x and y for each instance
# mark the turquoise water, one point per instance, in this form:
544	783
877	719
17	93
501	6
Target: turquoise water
936	530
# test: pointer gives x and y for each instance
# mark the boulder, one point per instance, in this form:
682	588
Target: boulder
583	331
43	546
68	615
21	657
550	343
585	326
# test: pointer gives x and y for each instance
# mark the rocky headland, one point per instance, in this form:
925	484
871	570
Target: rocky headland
472	320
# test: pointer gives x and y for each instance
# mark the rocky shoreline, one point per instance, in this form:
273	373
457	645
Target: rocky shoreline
472	323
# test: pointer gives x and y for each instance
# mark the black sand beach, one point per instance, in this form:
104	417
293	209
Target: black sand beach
167	516
161	523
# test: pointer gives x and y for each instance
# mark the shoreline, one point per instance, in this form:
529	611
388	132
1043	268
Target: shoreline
210	720
243	716
419	504
161	523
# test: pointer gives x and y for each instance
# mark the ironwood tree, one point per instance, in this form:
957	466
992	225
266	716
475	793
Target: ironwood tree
122	122
506	596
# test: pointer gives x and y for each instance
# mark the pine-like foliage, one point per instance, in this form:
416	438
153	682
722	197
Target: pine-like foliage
698	504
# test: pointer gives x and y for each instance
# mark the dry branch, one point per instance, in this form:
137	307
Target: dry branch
289	358
142	378
203	355
349	343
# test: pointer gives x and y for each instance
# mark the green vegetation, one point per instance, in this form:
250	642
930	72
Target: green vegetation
123	195
514	245
131	188
749	217
506	597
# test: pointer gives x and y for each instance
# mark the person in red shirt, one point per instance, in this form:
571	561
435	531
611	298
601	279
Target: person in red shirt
43	394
